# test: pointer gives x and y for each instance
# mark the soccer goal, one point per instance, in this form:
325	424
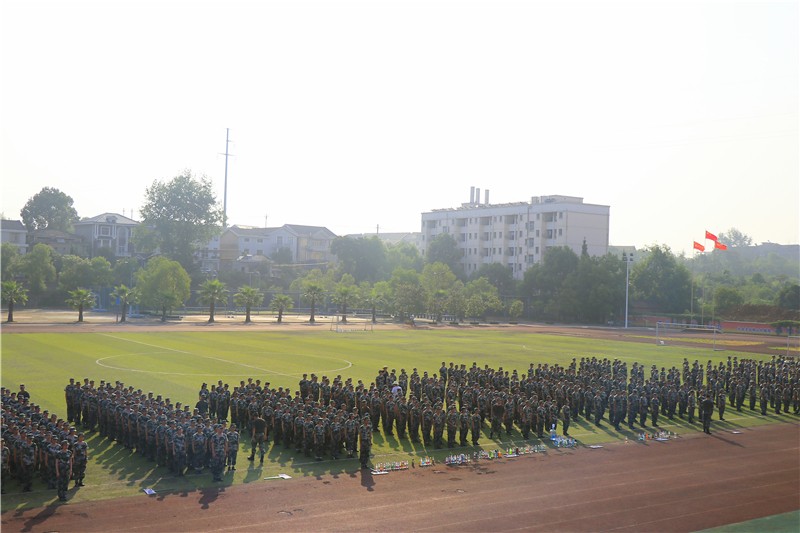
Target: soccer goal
353	324
793	346
669	332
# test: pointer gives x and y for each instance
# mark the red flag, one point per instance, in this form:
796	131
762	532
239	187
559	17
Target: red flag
719	246
698	246
710	236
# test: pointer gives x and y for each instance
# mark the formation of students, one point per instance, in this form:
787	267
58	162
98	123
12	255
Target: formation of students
35	441
338	417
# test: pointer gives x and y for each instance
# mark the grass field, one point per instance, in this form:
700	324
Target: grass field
174	364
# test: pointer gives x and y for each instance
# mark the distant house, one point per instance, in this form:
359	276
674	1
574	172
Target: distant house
60	241
14	232
308	245
107	231
242	241
208	256
313	243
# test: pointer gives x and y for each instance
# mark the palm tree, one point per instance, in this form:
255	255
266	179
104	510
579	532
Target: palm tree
313	292
248	297
374	298
281	303
126	297
13	293
212	291
79	299
344	295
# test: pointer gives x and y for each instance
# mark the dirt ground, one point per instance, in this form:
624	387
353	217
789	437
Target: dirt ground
688	484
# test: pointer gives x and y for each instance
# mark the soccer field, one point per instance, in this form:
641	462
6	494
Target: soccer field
174	364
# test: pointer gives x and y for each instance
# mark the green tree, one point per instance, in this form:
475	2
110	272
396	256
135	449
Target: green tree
516	309
49	209
313	292
403	255
9	255
163	284
481	298
498	275
212	292
13	293
281	303
440	285
79	272
124	271
545	284
345	294
408	294
362	258
37	268
661	281
184	213
126	297
248	297
789	297
376	297
444	249
727	299
80	299
734	238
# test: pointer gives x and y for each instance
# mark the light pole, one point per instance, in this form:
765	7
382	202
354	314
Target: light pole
628	260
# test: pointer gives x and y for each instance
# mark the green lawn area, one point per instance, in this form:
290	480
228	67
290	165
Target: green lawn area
174	364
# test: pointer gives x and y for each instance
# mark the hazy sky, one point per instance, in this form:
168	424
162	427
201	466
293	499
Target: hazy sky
682	116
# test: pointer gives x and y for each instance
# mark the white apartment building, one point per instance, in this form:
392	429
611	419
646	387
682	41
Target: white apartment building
518	234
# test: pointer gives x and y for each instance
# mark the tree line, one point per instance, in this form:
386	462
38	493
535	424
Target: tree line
391	279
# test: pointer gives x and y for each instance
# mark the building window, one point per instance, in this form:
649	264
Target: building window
549	234
105	231
560	232
537	232
536	250
560	214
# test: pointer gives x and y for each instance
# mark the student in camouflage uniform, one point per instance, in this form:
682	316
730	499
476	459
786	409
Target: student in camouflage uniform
198	445
336	434
219	453
707	409
27	460
179	450
351	435
463	426
452	421
565	419
438	425
654	411
80	457
691	405
721	406
365	446
497	413
233	447
63	470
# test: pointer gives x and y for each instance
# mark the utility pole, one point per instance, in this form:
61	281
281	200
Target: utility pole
225	193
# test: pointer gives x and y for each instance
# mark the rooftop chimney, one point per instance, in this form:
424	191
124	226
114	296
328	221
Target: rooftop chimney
472	195
477	195
486	197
